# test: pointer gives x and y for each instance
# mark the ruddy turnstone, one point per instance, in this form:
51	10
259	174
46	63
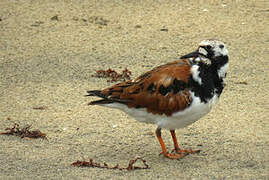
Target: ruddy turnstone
172	95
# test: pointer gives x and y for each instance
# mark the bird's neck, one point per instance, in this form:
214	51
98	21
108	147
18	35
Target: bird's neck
212	76
219	69
220	66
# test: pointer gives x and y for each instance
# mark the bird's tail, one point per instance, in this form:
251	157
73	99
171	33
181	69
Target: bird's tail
98	93
105	99
95	93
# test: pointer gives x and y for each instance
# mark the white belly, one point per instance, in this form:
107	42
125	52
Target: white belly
178	120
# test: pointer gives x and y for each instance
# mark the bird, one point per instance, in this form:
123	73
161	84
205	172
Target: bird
172	95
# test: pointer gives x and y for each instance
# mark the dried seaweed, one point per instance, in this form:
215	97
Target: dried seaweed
130	166
24	132
113	75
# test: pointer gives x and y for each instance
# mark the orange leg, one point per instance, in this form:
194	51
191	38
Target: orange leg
164	151
177	149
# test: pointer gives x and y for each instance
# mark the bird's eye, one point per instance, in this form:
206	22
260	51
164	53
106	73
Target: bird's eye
208	47
221	46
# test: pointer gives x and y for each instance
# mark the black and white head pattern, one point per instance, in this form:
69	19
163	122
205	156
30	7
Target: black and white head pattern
212	49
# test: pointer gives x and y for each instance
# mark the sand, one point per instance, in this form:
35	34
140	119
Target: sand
49	50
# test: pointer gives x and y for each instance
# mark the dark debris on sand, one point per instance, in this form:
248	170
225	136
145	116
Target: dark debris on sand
130	166
24	132
112	75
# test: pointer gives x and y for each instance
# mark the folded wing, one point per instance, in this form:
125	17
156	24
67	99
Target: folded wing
163	90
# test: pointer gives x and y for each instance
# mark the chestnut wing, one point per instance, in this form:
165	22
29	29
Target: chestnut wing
163	90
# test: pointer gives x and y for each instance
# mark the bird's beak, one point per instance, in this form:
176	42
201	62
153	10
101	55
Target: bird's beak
190	55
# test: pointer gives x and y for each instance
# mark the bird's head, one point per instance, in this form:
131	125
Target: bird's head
209	50
212	49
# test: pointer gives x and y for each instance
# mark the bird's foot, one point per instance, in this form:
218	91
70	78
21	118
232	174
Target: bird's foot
173	155
185	151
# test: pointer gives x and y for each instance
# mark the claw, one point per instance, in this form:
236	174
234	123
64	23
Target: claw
173	155
185	151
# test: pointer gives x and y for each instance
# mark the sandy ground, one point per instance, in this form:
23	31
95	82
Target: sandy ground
49	50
